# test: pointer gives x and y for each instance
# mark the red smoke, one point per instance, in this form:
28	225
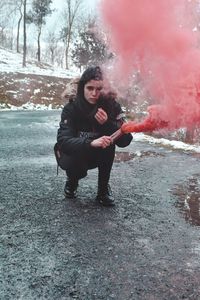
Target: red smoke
153	37
155	120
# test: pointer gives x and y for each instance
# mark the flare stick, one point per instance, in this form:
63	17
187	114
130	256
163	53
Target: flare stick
156	120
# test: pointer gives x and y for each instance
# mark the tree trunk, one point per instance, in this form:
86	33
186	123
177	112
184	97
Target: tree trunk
52	56
24	46
68	40
66	55
71	14
38	42
18	26
18	29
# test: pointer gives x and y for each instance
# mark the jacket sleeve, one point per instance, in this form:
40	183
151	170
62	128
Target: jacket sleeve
67	136
116	118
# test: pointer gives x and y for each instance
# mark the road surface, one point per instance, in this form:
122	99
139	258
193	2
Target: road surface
147	247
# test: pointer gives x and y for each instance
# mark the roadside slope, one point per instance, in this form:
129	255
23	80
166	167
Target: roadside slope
37	83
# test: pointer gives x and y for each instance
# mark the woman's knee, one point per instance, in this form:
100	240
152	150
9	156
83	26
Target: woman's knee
73	166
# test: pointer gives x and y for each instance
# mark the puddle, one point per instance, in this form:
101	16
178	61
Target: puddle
188	201
126	156
123	156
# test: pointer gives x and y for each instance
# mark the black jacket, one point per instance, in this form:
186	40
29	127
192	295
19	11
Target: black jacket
78	126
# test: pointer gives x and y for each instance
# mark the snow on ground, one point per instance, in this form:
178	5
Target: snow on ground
26	106
11	61
164	142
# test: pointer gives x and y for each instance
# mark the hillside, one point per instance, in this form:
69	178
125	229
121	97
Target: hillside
35	86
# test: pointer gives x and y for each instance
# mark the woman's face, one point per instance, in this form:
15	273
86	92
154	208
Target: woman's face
92	90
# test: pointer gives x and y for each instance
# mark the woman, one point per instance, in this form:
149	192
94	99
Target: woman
83	139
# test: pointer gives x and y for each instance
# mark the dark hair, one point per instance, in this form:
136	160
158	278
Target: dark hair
91	73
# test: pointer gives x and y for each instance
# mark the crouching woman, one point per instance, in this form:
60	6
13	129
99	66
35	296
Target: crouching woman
83	139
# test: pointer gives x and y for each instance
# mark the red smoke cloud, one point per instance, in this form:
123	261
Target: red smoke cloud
153	37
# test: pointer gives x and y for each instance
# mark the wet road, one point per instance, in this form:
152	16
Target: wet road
147	247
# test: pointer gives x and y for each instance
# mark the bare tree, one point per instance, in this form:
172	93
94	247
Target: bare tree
24	33
20	7
2	33
59	56
71	14
10	12
52	41
40	10
7	10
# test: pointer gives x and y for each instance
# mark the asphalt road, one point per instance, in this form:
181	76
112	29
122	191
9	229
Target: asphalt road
147	247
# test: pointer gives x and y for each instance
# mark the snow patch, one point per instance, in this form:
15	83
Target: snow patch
11	62
164	142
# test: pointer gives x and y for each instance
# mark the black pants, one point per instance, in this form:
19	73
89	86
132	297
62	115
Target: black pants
77	165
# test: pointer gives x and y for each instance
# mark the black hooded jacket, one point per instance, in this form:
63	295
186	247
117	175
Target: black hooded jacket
78	126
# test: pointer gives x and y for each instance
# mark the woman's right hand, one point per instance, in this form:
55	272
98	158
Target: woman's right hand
102	142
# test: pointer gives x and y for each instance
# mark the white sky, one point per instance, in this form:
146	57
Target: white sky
53	20
90	4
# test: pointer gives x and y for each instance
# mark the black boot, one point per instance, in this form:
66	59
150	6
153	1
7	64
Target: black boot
105	196
71	188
